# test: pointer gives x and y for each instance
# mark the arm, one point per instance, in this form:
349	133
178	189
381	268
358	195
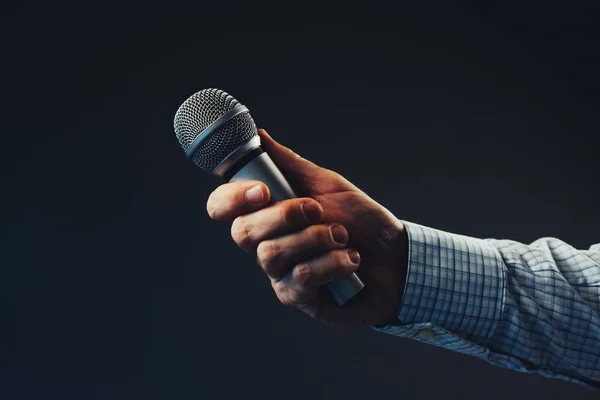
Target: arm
532	308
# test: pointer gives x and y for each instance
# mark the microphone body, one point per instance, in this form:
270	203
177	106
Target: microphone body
219	135
262	168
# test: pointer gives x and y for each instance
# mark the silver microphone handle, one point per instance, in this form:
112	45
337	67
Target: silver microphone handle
262	168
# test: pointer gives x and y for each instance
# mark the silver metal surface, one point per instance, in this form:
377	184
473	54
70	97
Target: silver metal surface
236	154
263	169
212	127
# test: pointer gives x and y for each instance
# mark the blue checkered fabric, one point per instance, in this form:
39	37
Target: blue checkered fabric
532	308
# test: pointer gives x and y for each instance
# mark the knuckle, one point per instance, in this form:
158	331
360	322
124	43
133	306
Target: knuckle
314	234
267	252
341	260
323	235
286	211
283	295
335	260
302	273
285	298
293	297
240	233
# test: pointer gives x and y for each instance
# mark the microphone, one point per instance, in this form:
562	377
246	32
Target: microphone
219	136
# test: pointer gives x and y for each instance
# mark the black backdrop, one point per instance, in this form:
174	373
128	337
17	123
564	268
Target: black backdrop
476	119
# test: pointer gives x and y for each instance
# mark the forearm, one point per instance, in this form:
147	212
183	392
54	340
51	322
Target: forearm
510	304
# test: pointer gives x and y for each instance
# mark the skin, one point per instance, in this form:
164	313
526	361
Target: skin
294	245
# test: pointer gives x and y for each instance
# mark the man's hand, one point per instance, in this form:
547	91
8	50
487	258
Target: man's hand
304	243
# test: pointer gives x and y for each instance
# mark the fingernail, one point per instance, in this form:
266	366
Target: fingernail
354	256
254	195
339	234
311	211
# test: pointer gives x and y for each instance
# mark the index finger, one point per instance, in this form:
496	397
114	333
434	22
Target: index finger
232	199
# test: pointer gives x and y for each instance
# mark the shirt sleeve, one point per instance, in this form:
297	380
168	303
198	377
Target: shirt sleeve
532	308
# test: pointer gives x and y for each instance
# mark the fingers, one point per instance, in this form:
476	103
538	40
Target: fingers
233	199
277	256
302	284
279	219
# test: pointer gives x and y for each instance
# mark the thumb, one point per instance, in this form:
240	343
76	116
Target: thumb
293	166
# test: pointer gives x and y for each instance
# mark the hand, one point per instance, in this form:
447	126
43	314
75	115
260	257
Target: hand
303	243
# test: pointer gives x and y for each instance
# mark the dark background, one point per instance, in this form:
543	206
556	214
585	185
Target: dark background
475	119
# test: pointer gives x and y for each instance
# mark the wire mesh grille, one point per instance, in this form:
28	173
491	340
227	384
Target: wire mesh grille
198	112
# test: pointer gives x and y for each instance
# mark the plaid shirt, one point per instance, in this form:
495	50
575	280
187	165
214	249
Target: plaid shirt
532	308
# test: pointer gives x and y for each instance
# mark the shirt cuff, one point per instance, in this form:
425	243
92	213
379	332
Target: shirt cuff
455	283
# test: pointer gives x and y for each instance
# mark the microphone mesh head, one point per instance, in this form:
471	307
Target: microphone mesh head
197	113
